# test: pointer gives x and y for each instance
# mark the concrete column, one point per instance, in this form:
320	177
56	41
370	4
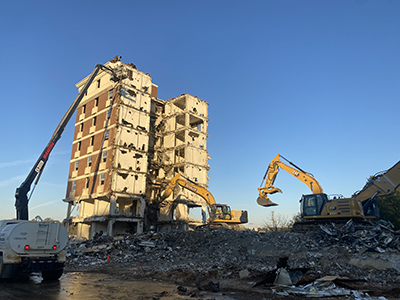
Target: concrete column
113	205
93	230
110	228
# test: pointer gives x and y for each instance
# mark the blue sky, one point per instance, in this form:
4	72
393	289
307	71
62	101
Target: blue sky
315	81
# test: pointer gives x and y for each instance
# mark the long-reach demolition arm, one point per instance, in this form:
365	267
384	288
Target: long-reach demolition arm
21	194
272	172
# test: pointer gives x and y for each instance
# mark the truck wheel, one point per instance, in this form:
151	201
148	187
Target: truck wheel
52	274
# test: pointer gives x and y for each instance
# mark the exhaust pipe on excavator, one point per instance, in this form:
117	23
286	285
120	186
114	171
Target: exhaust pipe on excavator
264	201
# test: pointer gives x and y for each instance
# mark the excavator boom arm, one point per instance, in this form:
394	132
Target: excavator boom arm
293	170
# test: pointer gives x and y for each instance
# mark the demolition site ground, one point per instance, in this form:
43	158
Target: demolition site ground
345	262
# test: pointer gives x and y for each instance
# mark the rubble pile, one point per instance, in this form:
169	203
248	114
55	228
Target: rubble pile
379	237
371	254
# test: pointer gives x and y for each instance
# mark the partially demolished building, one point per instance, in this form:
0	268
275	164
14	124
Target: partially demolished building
127	145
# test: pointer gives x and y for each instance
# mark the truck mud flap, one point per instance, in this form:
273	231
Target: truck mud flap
8	272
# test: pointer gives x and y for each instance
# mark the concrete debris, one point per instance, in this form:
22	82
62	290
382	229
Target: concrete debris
290	262
323	289
379	237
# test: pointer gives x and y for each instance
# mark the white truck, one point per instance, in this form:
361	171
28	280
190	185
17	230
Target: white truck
29	246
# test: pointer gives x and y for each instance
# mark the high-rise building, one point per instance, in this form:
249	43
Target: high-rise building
127	145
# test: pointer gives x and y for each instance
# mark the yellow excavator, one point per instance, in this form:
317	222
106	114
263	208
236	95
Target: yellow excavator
272	172
318	208
220	215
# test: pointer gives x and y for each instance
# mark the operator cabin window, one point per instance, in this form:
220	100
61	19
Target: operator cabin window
76	165
89	161
102	178
104	158
110	94
96	102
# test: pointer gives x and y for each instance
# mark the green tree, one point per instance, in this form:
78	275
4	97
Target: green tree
389	208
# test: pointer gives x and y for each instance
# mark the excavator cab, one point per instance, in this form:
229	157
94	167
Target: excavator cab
312	205
221	212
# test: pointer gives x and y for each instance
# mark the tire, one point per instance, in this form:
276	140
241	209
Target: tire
52	274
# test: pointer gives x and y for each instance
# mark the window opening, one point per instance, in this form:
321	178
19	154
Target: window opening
74	185
130	74
104	158
102	178
94	121
89	161
106	134
110	94
91	140
96	102
76	165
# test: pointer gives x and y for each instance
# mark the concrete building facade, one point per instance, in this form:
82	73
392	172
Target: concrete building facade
127	145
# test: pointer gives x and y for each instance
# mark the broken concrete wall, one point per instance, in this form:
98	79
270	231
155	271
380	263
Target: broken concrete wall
129	183
187	103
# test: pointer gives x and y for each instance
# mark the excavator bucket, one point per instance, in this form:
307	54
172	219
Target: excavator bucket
264	201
